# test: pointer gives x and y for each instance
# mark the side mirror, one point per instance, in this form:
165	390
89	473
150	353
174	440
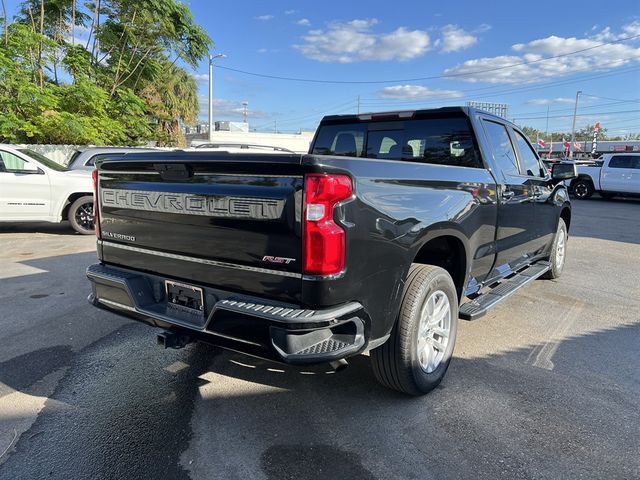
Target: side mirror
564	171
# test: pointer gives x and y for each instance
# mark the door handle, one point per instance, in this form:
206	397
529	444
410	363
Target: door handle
508	194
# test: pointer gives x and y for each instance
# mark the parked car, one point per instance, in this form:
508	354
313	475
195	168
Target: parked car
612	174
241	148
391	228
35	188
85	159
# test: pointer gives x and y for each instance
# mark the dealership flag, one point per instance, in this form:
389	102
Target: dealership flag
594	141
542	143
566	145
577	146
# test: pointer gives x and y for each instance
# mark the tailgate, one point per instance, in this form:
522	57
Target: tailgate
227	221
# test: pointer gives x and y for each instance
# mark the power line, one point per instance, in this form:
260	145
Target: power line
524	84
579	115
586	107
523	87
635	100
433	77
420	103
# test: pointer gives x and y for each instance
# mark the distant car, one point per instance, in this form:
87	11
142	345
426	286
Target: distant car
241	148
612	174
85	159
35	188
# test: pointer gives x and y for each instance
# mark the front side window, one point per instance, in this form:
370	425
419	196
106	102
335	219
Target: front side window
385	144
528	159
502	148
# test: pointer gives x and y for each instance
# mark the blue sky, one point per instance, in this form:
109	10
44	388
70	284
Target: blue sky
365	41
401	41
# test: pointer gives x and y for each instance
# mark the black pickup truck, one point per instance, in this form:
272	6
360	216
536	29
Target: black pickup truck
393	227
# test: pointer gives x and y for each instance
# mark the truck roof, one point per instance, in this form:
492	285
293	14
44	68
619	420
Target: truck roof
401	114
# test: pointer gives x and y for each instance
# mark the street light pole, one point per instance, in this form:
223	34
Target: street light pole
211	58
573	127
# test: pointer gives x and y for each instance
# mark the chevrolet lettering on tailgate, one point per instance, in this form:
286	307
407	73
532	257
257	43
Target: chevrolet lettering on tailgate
192	204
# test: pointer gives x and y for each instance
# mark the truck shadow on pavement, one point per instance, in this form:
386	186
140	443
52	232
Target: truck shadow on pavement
126	409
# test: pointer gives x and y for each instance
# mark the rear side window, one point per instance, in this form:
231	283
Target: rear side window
502	148
621	161
441	141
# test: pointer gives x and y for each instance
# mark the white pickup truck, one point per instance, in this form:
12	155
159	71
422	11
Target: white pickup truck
612	174
35	188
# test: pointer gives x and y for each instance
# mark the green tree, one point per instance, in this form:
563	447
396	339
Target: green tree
128	84
172	101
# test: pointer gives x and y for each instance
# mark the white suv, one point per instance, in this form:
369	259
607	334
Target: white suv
35	188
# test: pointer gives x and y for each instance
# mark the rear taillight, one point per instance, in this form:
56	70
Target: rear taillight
324	239
96	205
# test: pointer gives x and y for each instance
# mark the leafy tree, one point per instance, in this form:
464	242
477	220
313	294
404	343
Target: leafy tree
171	101
126	85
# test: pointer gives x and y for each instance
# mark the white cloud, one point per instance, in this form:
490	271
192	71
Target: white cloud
304	22
264	18
355	42
550	101
499	69
201	77
289	12
632	29
454	39
411	92
226	109
482	28
262	50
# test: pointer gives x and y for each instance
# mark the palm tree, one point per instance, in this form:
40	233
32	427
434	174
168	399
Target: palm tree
173	99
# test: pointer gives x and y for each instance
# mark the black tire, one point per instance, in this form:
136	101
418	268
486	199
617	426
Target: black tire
557	264
607	195
582	188
81	215
396	363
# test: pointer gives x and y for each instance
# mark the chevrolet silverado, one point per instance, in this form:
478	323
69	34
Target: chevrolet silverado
389	230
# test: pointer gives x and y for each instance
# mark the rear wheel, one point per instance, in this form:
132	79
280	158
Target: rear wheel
416	357
583	188
81	215
558	251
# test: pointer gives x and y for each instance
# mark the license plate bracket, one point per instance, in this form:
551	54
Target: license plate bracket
184	297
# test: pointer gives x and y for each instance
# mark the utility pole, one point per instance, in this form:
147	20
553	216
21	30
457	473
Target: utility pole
245	104
358	105
573	127
546	129
211	58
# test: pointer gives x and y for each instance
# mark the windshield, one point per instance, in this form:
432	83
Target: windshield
47	162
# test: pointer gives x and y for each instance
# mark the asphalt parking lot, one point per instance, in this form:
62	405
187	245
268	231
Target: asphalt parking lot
545	386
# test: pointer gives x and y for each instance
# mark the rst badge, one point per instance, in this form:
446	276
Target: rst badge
285	260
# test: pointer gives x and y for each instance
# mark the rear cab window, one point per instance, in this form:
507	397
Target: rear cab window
441	140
